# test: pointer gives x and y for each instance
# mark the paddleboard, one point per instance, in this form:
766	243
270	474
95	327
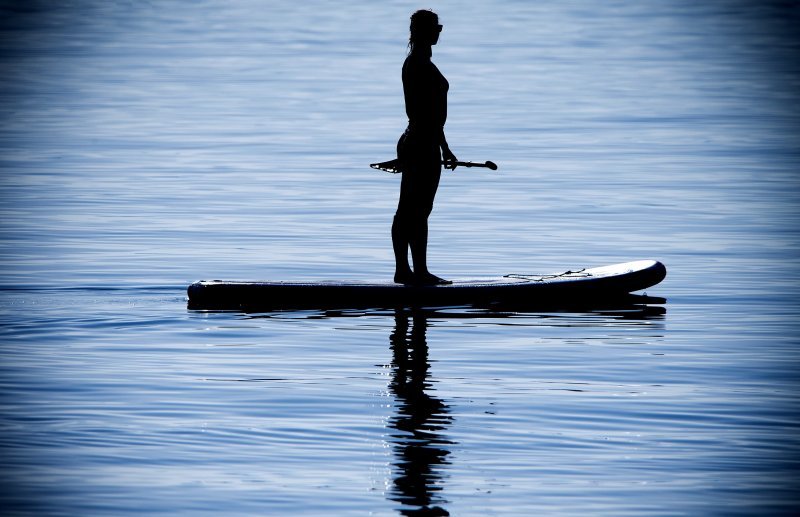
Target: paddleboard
587	286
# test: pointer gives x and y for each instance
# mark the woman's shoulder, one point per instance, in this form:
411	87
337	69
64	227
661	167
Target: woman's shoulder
417	64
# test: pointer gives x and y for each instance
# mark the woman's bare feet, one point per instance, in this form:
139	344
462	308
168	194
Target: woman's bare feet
409	278
431	279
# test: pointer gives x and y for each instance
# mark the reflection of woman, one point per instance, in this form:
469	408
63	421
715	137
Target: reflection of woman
419	446
420	151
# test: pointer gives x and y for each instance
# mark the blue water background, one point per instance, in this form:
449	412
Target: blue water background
145	145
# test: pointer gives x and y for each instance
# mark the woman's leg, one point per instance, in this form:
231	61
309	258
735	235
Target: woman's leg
400	224
400	244
418	235
401	229
410	228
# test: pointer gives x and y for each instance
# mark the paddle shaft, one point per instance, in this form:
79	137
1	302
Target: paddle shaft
487	164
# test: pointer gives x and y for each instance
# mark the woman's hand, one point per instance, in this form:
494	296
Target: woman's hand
448	156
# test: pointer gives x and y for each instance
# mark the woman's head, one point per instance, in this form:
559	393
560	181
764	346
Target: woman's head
424	29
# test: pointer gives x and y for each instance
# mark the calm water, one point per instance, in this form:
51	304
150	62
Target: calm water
146	145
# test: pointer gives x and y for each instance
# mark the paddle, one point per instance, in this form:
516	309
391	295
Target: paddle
393	166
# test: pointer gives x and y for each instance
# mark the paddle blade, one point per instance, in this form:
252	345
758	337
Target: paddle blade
392	166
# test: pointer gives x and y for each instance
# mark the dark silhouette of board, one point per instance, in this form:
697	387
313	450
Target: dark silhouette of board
583	287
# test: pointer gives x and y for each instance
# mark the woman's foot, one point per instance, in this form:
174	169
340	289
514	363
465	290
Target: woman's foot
431	279
405	277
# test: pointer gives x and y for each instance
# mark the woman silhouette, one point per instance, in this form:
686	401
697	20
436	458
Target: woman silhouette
420	151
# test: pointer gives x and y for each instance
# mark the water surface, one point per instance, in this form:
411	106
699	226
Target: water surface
145	146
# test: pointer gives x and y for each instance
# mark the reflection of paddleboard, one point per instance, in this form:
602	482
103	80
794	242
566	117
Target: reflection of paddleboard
582	286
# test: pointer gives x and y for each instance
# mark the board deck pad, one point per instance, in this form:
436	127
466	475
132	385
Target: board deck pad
577	286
